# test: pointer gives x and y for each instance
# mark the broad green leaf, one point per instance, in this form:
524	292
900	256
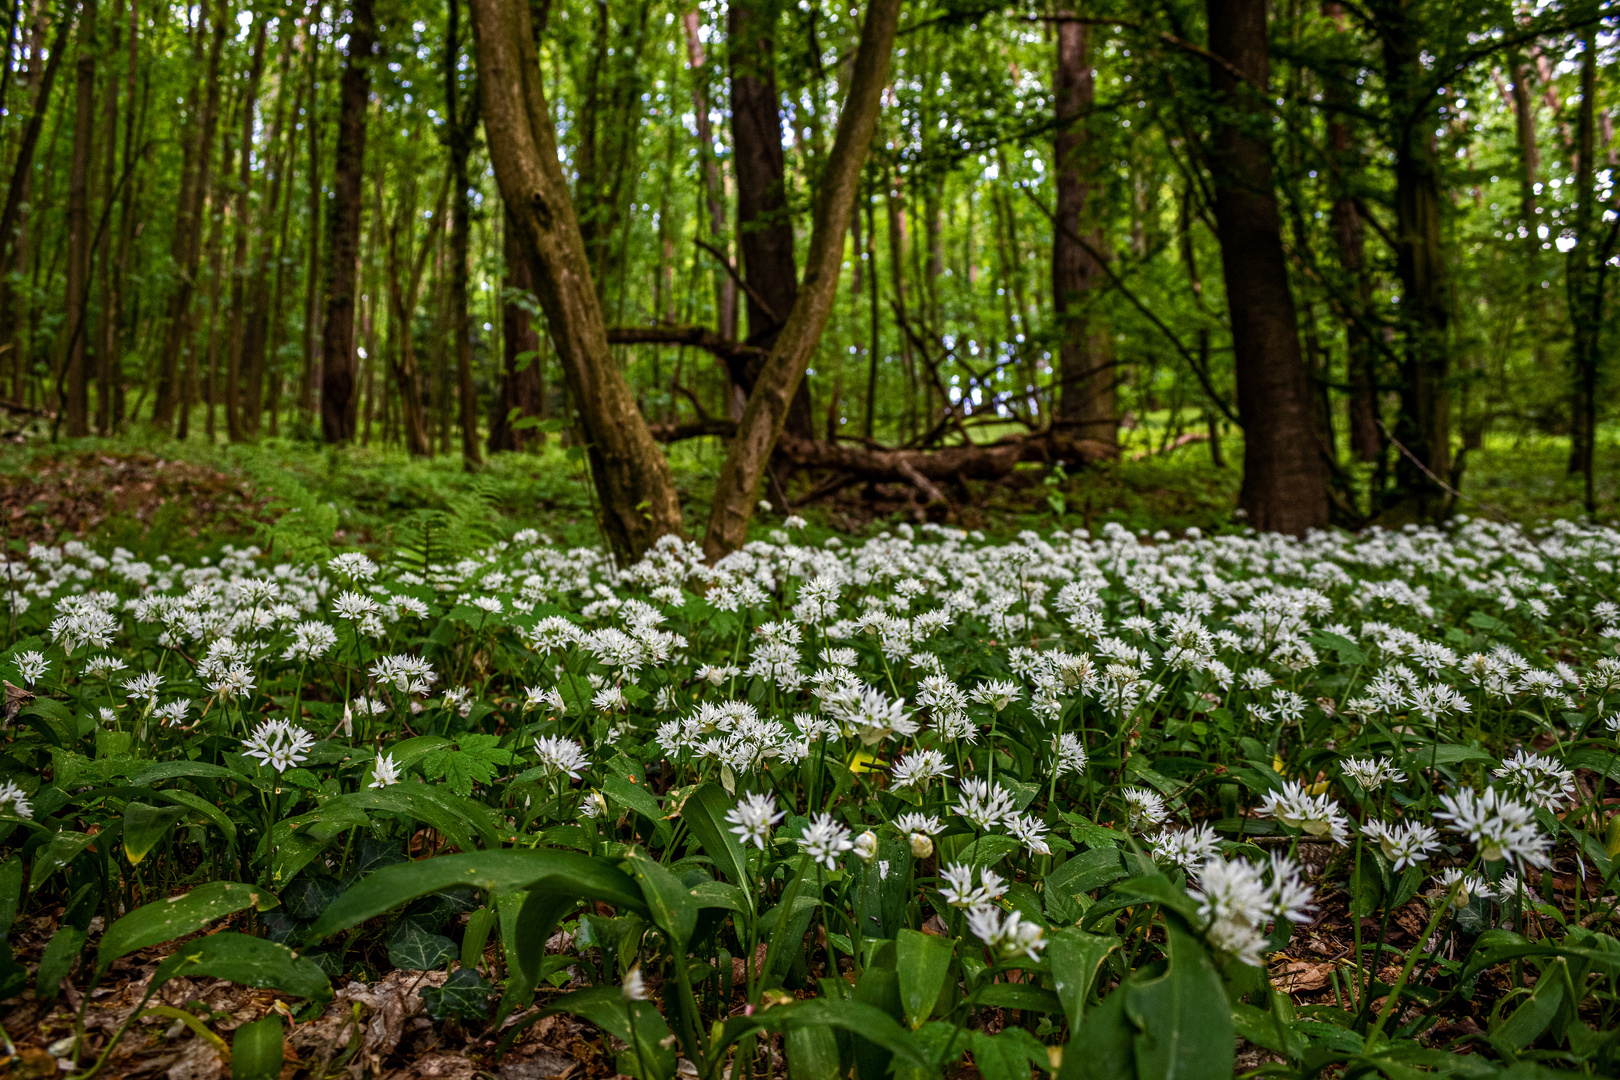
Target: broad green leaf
63	849
258	1050
1020	996
987	850
634	797
1086	871
856	1017
174	770
1103	1047
923	961
251	961
57	961
494	871
177	916
812	1054
670	902
1007	1055
1075	957
705	814
1184	1016
11	878
1526	1023
465	994
145	826
416	949
202	806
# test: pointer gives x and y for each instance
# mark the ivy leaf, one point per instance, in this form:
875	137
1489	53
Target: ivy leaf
416	949
465	994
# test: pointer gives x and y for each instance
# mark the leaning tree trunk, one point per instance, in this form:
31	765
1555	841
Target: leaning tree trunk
638	500
1284	474
1085	369
764	221
338	396
765	415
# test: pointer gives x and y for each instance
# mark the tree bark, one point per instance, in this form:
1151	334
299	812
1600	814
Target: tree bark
523	385
766	412
462	122
638	500
186	250
74	362
1085	359
714	190
338	397
1284	478
235	424
312	226
1585	292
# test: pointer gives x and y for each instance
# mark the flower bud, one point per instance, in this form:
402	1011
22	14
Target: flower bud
922	845
866	845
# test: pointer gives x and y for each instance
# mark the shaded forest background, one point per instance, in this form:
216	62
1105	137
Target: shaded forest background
1335	248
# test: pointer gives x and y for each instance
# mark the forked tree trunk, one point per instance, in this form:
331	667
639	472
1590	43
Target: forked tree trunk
1085	369
766	412
1284	474
338	396
638	500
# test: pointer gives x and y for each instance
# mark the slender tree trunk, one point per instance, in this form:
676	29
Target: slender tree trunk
1085	399
343	236
462	121
714	191
1284	478
188	227
1585	293
405	271
766	413
235	423
312	227
270	249
75	374
522	364
638	500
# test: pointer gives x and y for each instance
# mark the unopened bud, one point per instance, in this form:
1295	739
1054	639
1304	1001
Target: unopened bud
866	845
922	845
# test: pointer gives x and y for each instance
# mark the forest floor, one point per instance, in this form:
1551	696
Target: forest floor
158	495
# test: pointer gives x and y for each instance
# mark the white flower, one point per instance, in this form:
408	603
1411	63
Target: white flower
1070	755
385	772
753	818
1144	809
144	686
634	987
279	744
352	565
30	666
983	803
1028	831
1502	828
1009	935
865	845
1405	844
1538	778
11	793
959	891
1186	848
1372	773
996	693
1237	900
1470	884
560	756
609	699
824	840
919	767
1315	815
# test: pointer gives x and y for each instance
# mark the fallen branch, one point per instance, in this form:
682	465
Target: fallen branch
988	461
693	429
700	337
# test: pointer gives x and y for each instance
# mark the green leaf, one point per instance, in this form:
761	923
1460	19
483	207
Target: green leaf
417	949
257	1050
670	902
1075	957
494	871
11	878
201	806
177	916
251	961
1020	996
1103	1047
465	994
856	1017
174	770
812	1054
63	849
457	818
475	760
923	961
705	815
1526	1023
1086	871
145	826
1007	1055
57	961
1184	1016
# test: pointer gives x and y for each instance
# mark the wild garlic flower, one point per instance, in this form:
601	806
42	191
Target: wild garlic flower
996	693
384	772
1008	934
30	666
1538	779
753	818
865	845
13	796
352	566
103	667
560	756
1317	816
1238	898
1471	885
406	674
279	744
311	641
610	699
354	606
634	987
144	686
1500	827
824	840
959	891
917	768
1029	831
1189	849
868	713
1144	809
1404	843
1372	773
173	713
984	803
1070	755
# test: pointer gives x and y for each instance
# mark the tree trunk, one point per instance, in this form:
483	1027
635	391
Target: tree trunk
312	226
766	412
188	227
1085	400
638	500
338	397
1585	292
714	191
1284	479
1424	424
235	424
74	373
462	122
523	384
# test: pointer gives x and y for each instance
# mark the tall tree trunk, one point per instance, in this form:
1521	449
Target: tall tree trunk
261	301
74	373
766	413
235	422
1284	478
343	237
405	272
523	385
1424	424
714	191
1585	291
638	500
312	225
1085	400
462	120
106	248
